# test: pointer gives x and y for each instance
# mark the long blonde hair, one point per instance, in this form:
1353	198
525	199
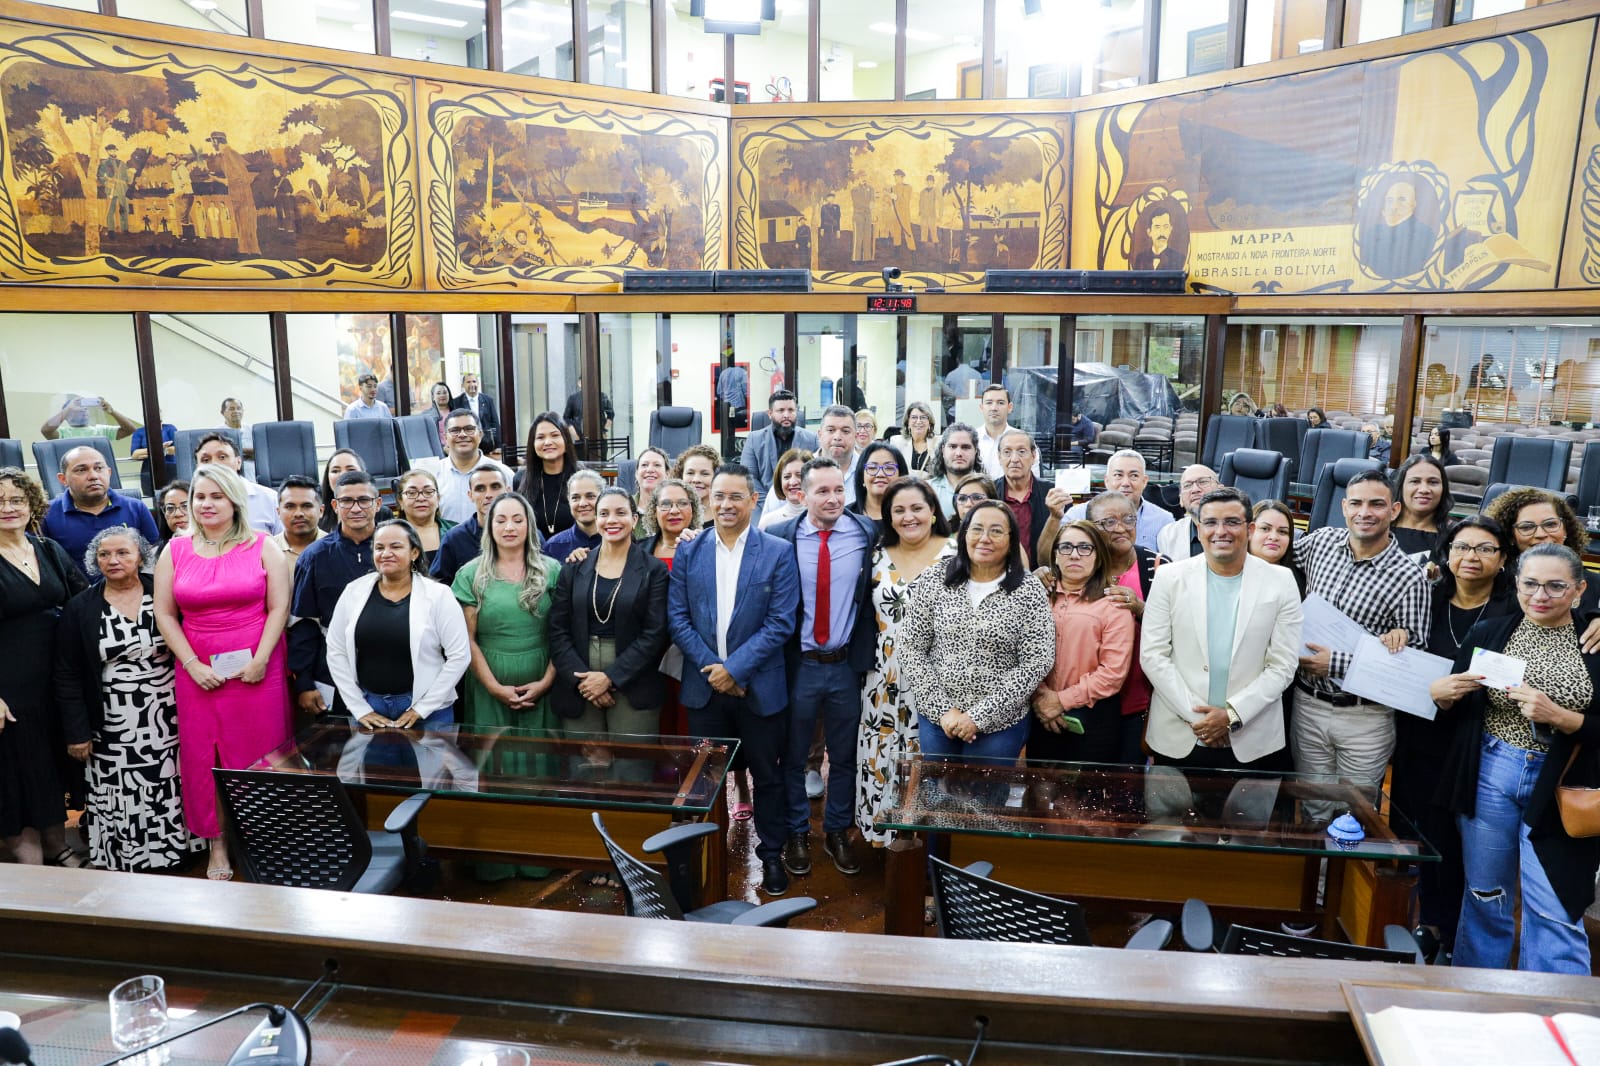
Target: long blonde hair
232	485
534	582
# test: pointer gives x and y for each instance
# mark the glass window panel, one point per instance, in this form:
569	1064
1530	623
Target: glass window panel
1467	10
920	370
1030	53
1171	347
1194	38
548	356
857	47
1345	366
1032	345
944	51
632	373
538	38
774	64
1526	371
1276	29
204	360
758	347
439	31
1375	20
439	349
220	16
693	57
1111	36
40	385
343	24
74	5
619	43
327	354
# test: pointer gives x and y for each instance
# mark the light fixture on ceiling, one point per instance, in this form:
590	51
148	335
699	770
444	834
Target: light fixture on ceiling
911	34
867	64
476	5
431	20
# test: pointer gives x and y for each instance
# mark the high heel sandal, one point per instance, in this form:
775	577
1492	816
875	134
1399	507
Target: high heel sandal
68	859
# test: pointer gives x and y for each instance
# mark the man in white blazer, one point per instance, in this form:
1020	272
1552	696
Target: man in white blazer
1220	644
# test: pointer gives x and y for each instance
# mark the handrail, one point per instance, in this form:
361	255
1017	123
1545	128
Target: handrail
247	359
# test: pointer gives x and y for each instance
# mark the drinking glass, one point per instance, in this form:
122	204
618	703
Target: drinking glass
138	1012
1594	518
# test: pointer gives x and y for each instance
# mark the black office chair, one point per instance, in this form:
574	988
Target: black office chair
1538	461
1326	500
282	449
1259	474
972	906
672	429
1199	934
1282	435
185	441
418	438
47	454
1492	491
628	475
375	440
1588	477
301	830
1322	447
650	895
1223	434
11	452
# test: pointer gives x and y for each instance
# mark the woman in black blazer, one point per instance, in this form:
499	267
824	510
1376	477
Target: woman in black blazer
608	631
1506	753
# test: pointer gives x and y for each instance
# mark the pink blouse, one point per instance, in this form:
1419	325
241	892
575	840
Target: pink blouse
1136	693
1094	649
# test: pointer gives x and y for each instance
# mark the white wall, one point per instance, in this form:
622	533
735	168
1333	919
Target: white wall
409	44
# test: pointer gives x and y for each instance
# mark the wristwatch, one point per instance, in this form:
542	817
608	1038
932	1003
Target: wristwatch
1234	721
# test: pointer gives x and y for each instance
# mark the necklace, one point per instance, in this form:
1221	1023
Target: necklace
1450	620
548	507
22	561
594	602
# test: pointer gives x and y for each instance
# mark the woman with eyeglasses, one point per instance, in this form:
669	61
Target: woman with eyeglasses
1473	585
1129	571
916	444
970	491
788	495
1425	502
1077	712
172	511
880	465
978	638
419	505
915	537
866	428
1536	516
1508	750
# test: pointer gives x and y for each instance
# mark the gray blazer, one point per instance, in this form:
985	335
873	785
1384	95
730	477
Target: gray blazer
761	453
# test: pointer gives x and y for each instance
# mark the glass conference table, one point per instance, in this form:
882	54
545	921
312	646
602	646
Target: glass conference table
511	795
1241	841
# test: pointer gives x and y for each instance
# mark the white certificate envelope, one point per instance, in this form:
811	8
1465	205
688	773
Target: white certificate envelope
1399	680
1499	671
1073	479
230	663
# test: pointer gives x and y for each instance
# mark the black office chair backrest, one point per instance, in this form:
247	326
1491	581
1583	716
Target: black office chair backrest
759	420
1223	434
1282	435
1538	461
1242	940
673	429
647	891
418	438
978	908
628	475
282	449
1258	473
11	452
299	830
375	440
185	441
1324	446
47	454
1588	477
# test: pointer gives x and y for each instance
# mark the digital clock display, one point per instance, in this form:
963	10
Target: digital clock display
892	304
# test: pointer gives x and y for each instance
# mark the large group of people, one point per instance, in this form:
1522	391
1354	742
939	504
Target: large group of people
929	594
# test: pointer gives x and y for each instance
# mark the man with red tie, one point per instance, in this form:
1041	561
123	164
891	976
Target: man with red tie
827	656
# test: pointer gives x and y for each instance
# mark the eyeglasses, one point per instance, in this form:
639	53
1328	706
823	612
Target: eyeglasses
874	469
1461	547
420	494
14	501
674	505
1224	523
1083	550
1554	589
972	497
360	503
1549	525
1108	524
1198	483
461	431
166	508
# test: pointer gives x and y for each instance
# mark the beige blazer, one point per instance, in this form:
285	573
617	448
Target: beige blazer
1174	653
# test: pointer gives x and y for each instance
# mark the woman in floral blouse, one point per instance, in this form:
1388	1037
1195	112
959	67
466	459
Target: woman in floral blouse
977	641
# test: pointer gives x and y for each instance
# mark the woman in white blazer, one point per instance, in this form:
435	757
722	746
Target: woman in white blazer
398	643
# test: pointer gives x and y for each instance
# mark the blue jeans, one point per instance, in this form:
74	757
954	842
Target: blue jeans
1006	744
392	707
1496	851
832	690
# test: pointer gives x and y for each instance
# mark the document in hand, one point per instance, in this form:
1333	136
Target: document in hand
1399	680
1499	671
1408	1037
1326	626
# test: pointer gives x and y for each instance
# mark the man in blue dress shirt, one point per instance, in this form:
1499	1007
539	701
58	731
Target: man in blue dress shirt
90	504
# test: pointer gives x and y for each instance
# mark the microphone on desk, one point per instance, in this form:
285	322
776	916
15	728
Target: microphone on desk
280	1039
14	1049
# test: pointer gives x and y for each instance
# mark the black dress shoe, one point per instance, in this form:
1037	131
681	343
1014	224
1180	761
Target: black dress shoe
797	855
774	882
843	853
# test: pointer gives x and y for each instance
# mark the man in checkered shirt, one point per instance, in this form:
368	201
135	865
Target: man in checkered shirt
1364	574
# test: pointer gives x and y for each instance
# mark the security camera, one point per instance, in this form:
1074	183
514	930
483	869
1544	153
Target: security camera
889	282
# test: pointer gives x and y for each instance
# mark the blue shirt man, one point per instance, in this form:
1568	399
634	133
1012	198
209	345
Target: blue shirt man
826	658
90	504
320	578
149	480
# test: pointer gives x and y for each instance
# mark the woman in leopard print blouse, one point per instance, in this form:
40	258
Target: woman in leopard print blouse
977	641
1505	757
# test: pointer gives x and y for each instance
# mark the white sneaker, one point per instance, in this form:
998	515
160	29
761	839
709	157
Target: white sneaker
813	785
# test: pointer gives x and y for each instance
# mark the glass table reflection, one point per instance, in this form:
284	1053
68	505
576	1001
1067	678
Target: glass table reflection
484	781
1153	834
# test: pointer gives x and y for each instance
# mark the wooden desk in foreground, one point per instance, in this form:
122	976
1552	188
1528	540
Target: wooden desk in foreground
436	982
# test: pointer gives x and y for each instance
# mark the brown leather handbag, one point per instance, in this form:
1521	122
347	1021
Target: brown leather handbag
1579	806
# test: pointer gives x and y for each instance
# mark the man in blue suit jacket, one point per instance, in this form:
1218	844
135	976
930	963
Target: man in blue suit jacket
731	605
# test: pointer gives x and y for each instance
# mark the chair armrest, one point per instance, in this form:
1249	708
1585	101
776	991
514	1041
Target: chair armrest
1152	936
1399	938
1199	929
980	869
682	833
404	817
777	913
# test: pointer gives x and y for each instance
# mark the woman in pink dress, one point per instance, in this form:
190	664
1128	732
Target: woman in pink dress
221	599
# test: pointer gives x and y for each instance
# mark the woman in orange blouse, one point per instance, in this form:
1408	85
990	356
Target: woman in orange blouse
1077	710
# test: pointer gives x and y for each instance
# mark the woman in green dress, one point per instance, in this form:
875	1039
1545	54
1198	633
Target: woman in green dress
506	594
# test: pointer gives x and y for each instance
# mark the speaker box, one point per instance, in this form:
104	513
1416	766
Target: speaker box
1131	281
669	281
763	281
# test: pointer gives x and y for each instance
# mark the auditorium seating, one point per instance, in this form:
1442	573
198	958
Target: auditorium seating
672	429
185	441
1257	472
282	449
